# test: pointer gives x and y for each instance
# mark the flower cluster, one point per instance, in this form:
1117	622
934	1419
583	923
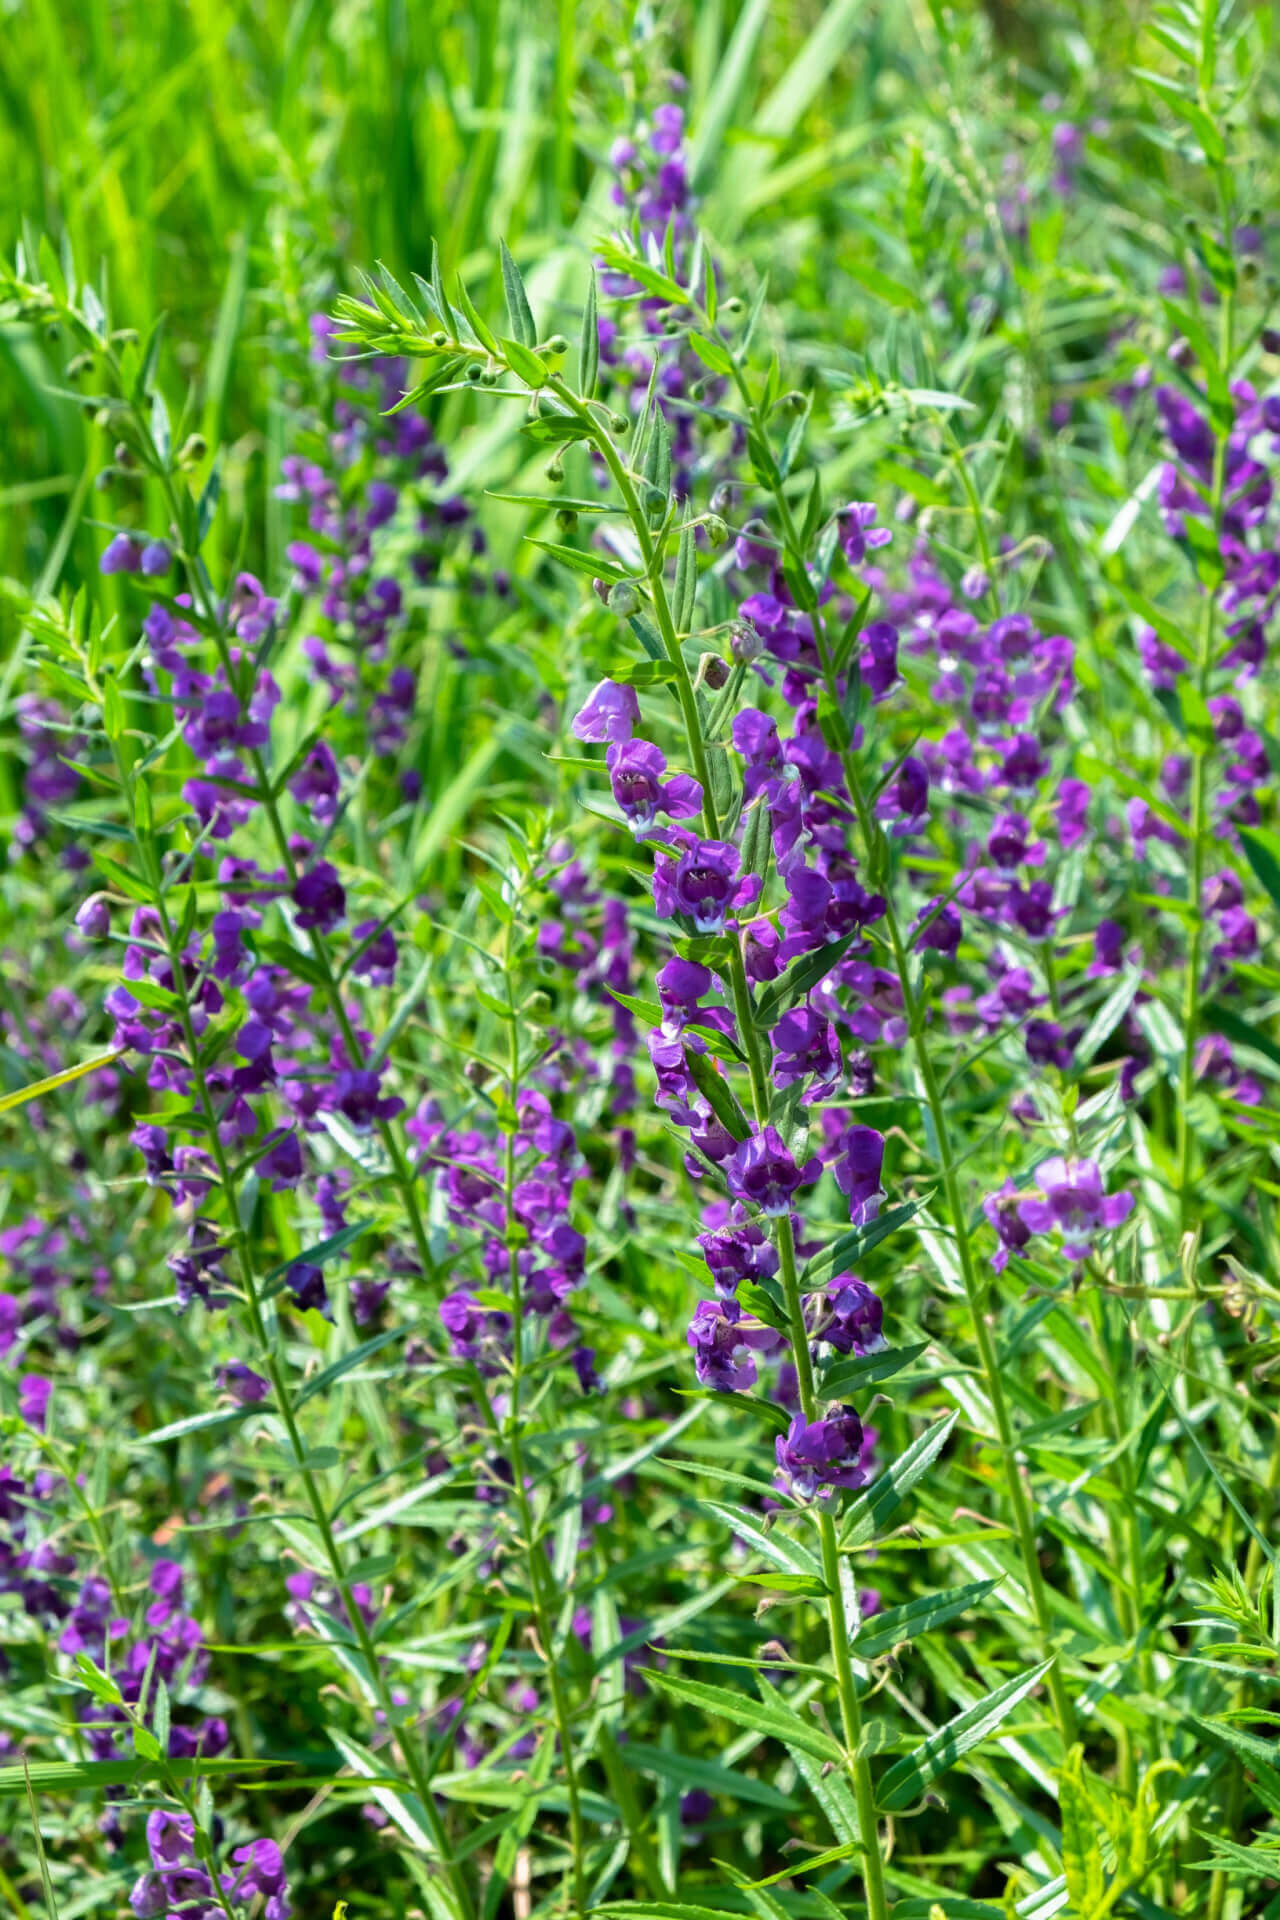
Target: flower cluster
179	1880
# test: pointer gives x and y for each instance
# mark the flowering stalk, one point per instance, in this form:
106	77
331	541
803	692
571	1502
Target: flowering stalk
376	1680
876	852
140	416
1201	739
391	326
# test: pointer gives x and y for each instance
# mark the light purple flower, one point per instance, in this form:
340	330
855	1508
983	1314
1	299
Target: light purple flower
1071	1203
610	712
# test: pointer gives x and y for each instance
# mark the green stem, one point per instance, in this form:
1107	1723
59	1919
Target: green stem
837	1625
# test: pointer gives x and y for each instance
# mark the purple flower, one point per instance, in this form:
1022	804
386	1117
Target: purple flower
761	1172
261	1872
93	917
858	1170
858	531
1003	1210
939	926
377	962
305	1282
805	1047
319	898
122	554
245	1386
635	774
156	559
280	1166
756	738
1071	1202
725	1345
316	784
822	1454
703	883
33	1400
851	1317
611	712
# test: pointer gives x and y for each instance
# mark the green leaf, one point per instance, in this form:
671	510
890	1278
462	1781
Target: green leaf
347	1362
851	1247
484	334
91	1776
884	1631
1262	851
847	1376
785	1554
722	101
1260	1756
404	1808
1108	1017
523	361
212	1422
715	1089
519	312
589	342
50	1084
688	1772
768	1718
904	1783
800	978
869	1511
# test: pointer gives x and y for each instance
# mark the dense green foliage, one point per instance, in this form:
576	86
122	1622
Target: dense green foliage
334	986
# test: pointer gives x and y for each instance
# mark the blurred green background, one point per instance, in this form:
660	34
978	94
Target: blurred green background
228	162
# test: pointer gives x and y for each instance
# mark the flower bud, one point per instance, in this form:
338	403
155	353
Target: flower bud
557	344
715	671
93	917
623	600
192	450
745	644
717	531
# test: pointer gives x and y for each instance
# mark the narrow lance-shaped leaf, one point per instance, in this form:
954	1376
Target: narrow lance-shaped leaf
905	1782
771	1718
868	1514
519	312
884	1631
589	343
